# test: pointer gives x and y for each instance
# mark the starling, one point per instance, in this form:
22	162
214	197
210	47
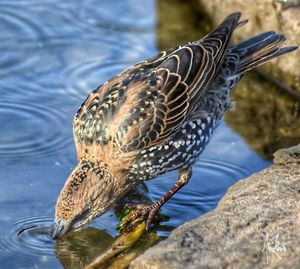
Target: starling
156	116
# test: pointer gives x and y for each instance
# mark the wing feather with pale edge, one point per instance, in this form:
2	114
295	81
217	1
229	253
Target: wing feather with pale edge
148	102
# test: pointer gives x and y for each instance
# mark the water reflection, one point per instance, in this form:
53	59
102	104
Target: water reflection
76	250
268	116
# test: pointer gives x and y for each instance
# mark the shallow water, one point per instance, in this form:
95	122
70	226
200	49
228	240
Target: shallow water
53	54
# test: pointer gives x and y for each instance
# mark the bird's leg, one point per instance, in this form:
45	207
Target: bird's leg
151	210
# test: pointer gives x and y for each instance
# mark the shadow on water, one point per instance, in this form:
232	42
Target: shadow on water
53	54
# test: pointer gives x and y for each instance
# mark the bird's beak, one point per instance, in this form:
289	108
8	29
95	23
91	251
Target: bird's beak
60	228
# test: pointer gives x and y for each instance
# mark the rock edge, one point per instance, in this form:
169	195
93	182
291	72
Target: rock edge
256	225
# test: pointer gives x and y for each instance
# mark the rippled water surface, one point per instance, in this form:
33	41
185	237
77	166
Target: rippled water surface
53	53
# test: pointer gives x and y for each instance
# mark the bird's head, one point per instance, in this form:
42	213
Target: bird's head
88	192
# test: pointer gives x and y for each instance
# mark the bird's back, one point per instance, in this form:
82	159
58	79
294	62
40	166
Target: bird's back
149	102
160	113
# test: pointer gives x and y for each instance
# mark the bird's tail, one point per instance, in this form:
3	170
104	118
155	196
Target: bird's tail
216	42
258	50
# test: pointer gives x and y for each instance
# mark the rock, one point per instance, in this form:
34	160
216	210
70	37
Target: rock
256	225
264	15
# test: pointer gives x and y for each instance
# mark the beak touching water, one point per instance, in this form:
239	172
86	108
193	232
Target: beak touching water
87	194
60	228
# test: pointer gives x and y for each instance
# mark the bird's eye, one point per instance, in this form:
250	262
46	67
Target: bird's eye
81	217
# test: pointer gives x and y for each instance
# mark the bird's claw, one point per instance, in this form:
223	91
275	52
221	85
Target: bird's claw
140	213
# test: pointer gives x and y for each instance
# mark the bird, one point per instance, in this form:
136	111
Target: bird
154	117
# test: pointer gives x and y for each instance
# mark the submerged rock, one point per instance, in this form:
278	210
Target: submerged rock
256	225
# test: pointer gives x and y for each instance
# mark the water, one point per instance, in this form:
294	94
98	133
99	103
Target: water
53	53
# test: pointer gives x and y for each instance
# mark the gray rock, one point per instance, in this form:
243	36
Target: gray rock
256	225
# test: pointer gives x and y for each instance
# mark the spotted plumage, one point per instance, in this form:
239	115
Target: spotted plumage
178	152
154	117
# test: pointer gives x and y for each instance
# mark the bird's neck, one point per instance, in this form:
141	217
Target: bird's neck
112	176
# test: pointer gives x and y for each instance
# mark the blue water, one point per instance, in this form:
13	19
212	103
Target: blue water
53	53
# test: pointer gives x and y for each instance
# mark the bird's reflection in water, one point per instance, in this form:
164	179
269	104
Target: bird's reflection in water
76	250
81	248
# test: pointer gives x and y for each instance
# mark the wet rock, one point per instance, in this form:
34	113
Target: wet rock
278	15
256	225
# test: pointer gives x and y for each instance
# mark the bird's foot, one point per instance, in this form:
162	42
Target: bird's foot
140	212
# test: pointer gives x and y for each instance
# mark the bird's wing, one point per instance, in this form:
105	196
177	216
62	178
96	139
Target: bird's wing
148	102
99	108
